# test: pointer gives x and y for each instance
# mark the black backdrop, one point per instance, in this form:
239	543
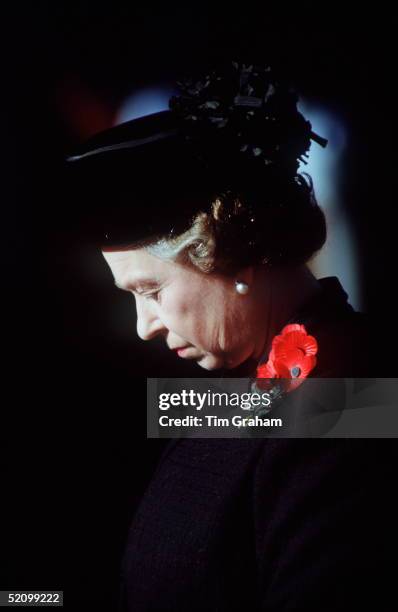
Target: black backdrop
74	454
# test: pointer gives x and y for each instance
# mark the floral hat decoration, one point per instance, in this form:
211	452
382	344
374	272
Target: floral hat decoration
245	110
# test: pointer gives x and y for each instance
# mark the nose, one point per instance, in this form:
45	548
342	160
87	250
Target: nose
149	324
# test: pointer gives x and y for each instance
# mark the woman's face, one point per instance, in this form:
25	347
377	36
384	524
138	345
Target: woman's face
197	312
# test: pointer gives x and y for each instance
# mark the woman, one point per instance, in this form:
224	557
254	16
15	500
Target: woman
208	223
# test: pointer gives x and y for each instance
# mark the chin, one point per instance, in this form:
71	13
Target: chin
223	360
218	362
211	362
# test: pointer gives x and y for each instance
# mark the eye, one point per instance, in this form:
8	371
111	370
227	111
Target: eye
154	295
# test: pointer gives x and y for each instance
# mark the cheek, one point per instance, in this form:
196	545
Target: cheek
190	311
176	309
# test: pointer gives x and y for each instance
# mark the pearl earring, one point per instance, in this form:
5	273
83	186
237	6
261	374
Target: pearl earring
241	288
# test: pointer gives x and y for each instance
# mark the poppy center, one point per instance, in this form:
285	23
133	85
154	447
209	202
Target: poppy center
295	371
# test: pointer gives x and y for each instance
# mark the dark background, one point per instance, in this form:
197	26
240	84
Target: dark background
74	453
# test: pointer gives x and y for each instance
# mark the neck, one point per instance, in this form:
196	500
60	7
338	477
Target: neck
284	292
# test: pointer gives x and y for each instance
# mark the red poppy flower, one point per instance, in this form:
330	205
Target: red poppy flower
292	356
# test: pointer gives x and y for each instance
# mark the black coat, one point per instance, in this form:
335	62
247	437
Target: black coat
272	524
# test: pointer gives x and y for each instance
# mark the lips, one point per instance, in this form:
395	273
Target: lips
182	351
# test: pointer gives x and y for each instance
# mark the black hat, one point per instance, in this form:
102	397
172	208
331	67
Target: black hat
236	130
140	180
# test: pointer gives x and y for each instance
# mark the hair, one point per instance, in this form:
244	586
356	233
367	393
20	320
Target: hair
281	225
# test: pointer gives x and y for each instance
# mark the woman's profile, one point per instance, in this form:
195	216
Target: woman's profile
206	219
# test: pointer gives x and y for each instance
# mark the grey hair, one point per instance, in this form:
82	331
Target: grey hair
197	245
284	226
